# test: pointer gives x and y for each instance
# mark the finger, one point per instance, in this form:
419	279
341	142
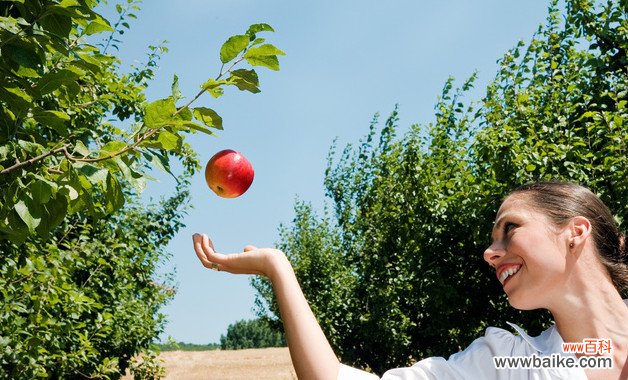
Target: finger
209	241
217	261
200	252
250	248
210	252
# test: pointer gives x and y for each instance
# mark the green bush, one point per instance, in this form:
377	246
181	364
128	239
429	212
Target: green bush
87	300
251	334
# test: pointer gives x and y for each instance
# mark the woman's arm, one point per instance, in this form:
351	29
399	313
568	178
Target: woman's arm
312	356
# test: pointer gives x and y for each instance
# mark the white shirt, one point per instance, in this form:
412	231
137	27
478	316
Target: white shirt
476	361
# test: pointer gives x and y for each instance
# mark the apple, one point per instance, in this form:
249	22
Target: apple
229	174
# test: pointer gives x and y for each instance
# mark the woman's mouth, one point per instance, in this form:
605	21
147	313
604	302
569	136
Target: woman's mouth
507	273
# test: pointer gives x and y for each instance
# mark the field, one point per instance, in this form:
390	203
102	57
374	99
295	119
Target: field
262	364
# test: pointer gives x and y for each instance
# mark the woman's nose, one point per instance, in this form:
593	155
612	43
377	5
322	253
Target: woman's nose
493	253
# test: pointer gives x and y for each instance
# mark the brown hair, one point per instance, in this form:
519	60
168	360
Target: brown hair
562	201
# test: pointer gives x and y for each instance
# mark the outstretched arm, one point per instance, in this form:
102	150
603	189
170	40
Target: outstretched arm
312	356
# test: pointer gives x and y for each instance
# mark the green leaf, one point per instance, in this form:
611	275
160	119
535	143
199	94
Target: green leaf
135	179
245	79
159	112
57	24
208	116
23	54
72	193
56	120
588	114
264	55
269	61
42	190
30	148
27	72
89	62
169	141
185	115
13	228
53	214
94	174
52	81
70	8
176	93
263	50
29	215
258	41
98	25
17	100
81	149
111	148
5	150
256	28
232	47
159	161
69	3
214	87
199	128
10	24
114	197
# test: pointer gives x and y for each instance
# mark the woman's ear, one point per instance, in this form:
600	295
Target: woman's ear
580	229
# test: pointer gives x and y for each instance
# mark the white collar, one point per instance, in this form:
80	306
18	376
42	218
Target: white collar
546	343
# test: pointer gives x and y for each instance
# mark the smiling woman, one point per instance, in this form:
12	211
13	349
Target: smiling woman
555	246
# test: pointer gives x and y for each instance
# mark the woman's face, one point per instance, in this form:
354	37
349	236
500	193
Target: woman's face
529	255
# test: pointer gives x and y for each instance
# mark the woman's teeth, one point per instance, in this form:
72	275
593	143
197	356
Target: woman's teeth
509	272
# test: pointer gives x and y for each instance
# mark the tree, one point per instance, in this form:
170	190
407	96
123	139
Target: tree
412	215
84	302
254	333
60	151
80	291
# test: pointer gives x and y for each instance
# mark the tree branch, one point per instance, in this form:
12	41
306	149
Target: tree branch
35	159
148	134
187	105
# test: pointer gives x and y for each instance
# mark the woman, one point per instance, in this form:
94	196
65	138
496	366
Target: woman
555	246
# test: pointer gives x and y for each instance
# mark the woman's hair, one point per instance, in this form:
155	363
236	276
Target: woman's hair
562	201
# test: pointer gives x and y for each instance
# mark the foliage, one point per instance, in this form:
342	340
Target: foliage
61	151
395	273
255	333
312	250
172	345
78	275
148	367
87	299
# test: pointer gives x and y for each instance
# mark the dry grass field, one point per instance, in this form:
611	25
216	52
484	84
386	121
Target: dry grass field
262	364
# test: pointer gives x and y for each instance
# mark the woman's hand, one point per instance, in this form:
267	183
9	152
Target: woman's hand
312	356
252	260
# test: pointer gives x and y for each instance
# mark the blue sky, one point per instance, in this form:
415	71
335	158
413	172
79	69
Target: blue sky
345	61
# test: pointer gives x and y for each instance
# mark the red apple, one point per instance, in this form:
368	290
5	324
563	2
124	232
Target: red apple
229	174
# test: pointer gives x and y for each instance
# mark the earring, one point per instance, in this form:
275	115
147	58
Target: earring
571	245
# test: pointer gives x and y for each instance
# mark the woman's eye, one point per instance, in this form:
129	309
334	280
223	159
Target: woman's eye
509	227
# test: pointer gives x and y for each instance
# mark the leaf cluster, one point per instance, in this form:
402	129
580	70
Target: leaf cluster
77	133
87	300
